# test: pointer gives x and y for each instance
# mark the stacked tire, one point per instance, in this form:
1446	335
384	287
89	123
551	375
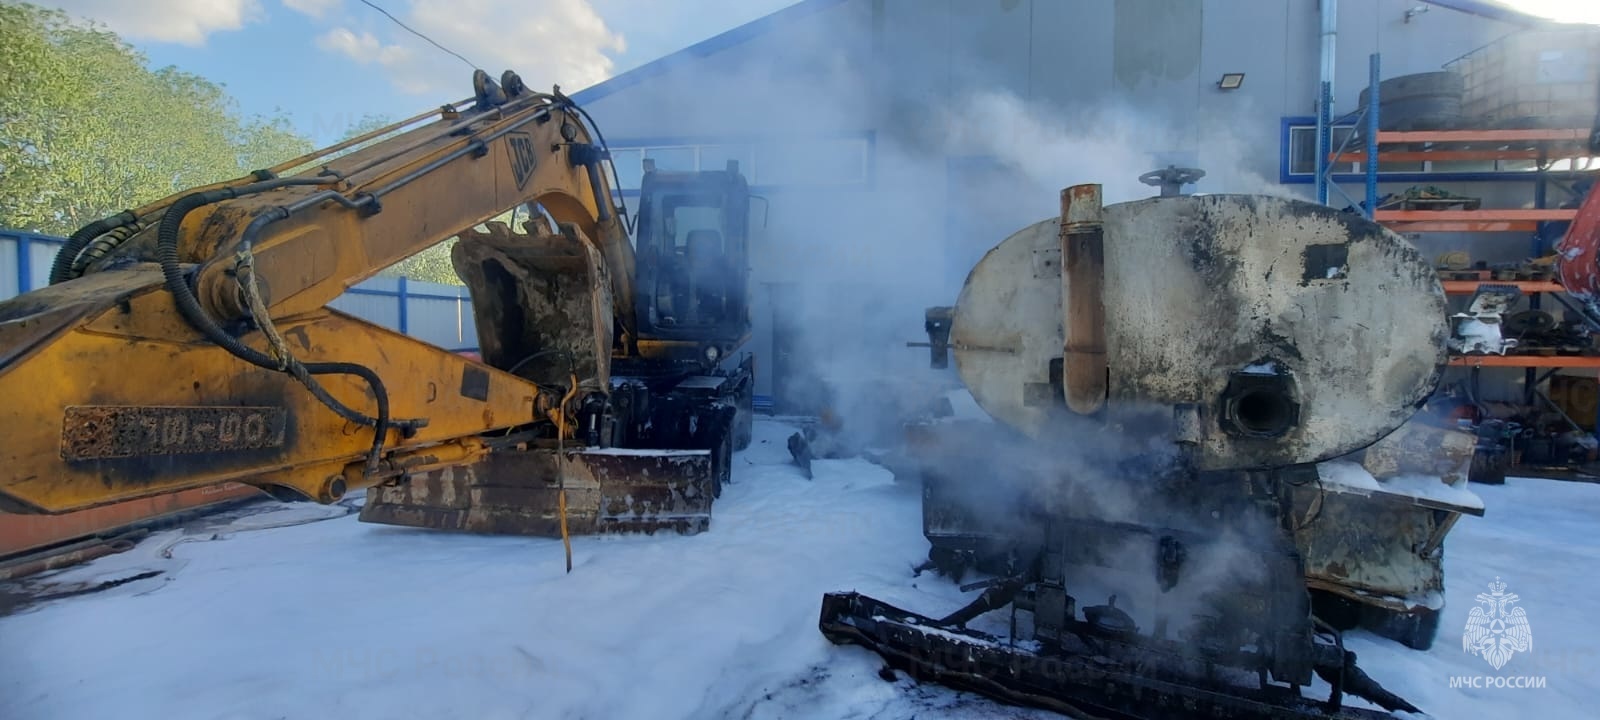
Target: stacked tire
1422	101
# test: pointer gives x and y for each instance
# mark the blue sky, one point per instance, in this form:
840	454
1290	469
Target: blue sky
327	63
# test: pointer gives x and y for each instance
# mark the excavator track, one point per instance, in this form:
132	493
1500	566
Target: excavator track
1078	686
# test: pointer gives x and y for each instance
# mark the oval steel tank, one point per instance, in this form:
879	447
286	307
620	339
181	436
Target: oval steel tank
1260	331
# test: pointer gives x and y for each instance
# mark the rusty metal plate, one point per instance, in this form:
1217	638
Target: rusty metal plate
99	432
1377	553
1417	448
516	492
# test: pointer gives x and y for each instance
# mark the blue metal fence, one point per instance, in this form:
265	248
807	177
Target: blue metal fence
30	254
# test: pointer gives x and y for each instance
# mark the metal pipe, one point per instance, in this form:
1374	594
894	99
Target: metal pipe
74	554
1371	133
1083	254
288	165
1330	32
455	128
1329	28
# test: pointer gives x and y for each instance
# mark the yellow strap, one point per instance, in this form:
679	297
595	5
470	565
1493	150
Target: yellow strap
566	542
560	417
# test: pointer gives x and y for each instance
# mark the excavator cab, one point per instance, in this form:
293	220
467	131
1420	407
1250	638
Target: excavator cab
691	248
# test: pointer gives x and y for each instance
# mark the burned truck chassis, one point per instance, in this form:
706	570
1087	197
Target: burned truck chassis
1255	646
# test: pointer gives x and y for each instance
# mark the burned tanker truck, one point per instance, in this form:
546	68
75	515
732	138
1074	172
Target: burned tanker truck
1165	381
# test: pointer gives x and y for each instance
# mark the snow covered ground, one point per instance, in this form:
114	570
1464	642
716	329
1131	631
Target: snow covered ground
339	618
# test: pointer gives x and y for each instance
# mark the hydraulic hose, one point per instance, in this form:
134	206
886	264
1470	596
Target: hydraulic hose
103	246
189	306
61	268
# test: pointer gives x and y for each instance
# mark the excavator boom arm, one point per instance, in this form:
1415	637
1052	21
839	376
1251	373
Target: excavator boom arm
189	343
319	232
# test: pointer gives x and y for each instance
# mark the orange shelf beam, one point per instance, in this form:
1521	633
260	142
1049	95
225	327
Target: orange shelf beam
1528	287
1475	215
1526	361
1456	155
1476	226
1466	136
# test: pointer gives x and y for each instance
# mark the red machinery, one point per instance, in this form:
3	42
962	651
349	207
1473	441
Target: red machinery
1579	250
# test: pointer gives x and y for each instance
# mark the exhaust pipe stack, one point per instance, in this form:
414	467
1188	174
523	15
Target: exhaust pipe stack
1083	273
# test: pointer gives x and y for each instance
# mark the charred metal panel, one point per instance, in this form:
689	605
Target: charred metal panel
1117	679
1369	549
1199	289
1417	448
97	432
516	492
1379	546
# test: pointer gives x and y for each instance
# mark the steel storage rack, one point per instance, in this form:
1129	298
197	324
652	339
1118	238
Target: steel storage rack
1543	146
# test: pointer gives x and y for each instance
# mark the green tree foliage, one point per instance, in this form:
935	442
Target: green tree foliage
87	129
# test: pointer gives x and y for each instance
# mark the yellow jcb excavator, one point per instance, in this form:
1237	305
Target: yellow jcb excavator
188	342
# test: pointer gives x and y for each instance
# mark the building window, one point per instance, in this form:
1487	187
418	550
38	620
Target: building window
1303	149
801	162
1303	153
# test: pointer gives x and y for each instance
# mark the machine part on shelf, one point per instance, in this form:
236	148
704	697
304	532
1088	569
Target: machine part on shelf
1479	330
1172	178
1169	484
1455	260
1429	197
1528	323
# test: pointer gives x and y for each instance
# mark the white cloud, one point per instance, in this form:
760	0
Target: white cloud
314	8
545	41
186	22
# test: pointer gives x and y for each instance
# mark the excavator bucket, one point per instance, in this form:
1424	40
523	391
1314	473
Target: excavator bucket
518	492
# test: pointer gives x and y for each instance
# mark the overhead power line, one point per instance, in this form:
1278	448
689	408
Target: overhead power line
408	28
